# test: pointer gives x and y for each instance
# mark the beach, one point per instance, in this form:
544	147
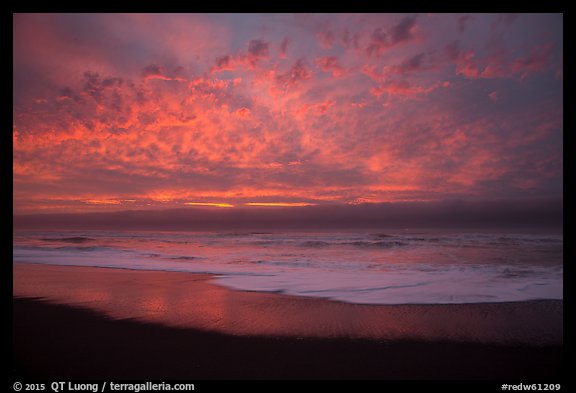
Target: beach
288	196
80	322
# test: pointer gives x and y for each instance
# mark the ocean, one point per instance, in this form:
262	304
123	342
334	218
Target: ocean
404	267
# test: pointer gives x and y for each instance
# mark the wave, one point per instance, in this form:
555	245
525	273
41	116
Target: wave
382	235
376	268
75	239
185	258
81	248
311	240
332	243
315	244
410	286
377	244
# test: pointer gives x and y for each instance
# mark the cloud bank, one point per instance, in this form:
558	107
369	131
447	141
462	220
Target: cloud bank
123	111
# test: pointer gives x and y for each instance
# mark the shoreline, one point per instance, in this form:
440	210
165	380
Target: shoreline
99	323
212	278
192	300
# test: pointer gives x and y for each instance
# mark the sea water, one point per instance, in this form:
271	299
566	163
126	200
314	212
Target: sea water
404	267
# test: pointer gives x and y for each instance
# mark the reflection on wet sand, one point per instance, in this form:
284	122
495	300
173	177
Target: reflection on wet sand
191	300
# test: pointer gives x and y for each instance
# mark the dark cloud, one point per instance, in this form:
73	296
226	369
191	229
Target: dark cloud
284	47
67	93
96	87
504	20
383	39
403	31
223	63
153	70
452	50
506	214
378	42
297	73
415	63
258	49
463	21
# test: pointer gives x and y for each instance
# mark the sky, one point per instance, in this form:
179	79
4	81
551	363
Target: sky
115	112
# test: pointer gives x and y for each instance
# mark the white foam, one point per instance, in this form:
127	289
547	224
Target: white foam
354	268
443	286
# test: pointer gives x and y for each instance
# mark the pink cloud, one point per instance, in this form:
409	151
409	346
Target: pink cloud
223	63
257	51
371	71
399	88
326	38
298	73
265	119
405	89
538	60
330	64
153	71
243	113
465	61
499	64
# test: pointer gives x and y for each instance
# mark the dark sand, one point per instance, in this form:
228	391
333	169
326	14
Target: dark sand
119	324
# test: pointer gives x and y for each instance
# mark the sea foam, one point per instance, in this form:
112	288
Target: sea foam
403	268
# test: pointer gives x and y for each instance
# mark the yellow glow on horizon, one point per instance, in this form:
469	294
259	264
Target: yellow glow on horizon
208	204
102	202
279	204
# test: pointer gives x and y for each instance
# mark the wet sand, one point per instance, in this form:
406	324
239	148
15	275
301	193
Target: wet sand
79	322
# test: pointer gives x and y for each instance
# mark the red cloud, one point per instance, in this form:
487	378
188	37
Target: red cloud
326	39
223	63
330	64
401	88
466	64
243	113
257	50
274	126
153	71
498	65
297	73
538	60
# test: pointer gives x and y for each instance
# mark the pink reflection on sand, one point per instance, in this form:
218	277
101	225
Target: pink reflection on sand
190	300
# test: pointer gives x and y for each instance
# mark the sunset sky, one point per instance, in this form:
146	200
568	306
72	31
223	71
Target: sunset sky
155	111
